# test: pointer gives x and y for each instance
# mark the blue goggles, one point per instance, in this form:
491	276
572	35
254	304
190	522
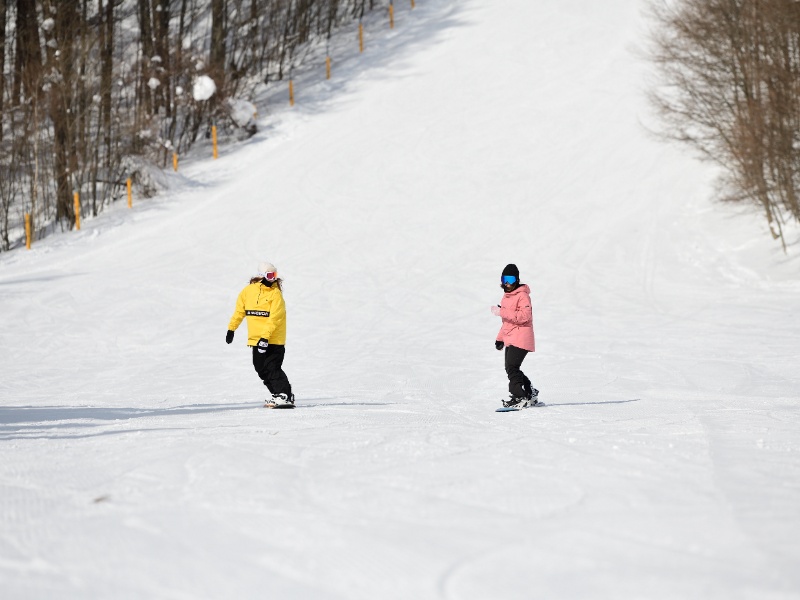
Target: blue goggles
508	280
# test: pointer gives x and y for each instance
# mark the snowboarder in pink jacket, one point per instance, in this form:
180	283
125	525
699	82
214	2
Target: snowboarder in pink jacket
516	336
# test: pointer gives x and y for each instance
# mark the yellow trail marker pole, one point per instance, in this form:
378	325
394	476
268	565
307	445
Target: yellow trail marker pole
360	37
291	93
130	195
28	231
77	199
391	16
328	67
214	139
175	161
412	4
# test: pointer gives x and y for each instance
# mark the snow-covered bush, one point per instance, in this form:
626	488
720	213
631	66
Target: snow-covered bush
243	114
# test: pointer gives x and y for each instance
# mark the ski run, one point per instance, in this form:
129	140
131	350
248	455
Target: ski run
137	458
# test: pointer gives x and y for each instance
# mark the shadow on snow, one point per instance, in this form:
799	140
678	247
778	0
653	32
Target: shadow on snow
37	422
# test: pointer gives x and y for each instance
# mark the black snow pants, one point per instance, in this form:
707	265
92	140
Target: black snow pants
268	366
519	385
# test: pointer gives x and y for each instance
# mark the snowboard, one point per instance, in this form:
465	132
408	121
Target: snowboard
516	408
279	406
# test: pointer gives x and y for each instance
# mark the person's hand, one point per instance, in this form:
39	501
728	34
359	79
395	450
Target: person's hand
263	345
496	311
229	336
499	345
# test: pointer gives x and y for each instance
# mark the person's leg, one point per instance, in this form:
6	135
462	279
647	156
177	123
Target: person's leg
274	377
527	386
516	378
259	363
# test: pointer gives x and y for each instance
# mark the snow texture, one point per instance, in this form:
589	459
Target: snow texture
138	462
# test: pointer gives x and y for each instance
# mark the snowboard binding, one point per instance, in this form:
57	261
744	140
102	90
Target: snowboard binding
280	401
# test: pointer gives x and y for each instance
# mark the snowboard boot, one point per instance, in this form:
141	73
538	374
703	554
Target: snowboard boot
533	399
516	402
280	400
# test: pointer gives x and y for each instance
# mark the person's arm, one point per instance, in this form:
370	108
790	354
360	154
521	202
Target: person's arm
521	314
238	313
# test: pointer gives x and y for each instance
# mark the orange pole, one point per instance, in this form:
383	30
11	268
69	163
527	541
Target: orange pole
360	37
412	4
328	67
28	231
175	161
214	139
291	93
130	195
77	211
391	16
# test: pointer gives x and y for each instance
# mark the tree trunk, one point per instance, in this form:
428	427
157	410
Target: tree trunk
61	104
3	15
106	30
28	58
218	33
146	37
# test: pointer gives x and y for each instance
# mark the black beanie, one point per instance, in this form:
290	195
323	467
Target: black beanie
511	270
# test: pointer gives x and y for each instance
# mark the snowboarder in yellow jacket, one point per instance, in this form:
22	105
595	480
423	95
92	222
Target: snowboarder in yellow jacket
261	303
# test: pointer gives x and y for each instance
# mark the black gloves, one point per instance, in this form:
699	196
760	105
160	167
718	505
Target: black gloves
499	345
229	336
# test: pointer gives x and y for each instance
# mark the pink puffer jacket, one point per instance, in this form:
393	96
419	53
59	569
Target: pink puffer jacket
517	328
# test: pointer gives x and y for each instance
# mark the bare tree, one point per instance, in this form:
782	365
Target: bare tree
28	56
62	79
88	99
3	22
218	35
730	87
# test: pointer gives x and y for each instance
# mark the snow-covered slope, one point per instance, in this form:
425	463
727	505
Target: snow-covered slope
137	462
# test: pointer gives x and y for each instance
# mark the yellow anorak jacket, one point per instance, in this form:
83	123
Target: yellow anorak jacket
265	311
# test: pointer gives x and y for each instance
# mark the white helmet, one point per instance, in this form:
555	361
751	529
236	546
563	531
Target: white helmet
268	271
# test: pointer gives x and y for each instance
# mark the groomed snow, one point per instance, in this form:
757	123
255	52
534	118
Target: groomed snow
137	461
